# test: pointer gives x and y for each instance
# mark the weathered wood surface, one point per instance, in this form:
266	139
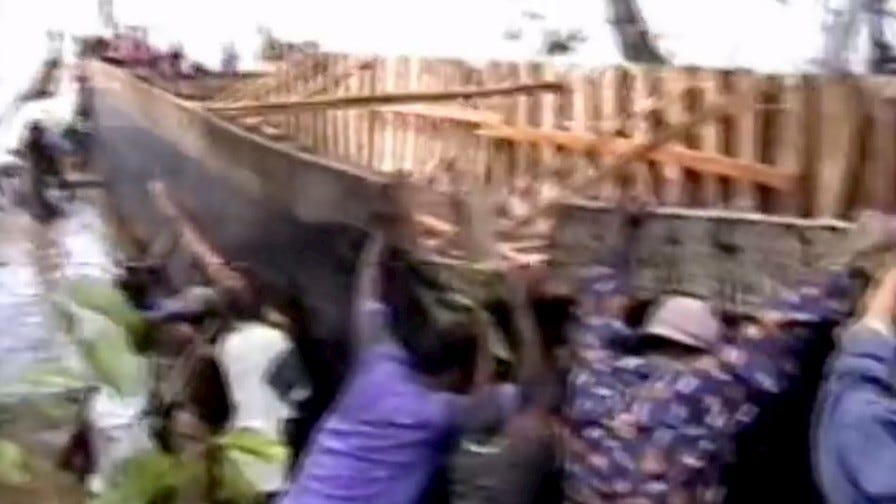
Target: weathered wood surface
318	187
795	144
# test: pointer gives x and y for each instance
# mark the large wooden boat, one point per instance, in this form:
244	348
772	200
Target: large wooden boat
252	157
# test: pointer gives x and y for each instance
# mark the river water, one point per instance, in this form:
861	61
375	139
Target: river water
35	259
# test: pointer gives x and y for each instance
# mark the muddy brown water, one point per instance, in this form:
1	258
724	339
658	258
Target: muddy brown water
35	258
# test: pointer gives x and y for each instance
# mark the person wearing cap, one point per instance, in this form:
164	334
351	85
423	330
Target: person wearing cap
855	436
653	412
388	433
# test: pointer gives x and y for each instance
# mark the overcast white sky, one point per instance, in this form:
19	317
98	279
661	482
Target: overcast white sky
761	34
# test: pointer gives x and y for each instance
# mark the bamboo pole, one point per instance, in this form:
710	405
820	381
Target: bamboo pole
364	100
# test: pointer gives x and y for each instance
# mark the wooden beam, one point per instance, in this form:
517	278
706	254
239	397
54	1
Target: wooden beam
446	112
626	148
335	80
366	100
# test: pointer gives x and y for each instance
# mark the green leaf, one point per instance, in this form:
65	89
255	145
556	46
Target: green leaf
105	349
102	297
235	486
255	445
56	377
13	464
149	477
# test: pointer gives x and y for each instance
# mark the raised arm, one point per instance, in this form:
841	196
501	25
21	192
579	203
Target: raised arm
367	310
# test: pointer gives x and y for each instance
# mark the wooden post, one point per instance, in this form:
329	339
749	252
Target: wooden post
710	137
610	122
582	109
882	165
839	121
744	144
790	151
389	122
332	118
639	129
411	123
523	152
548	117
673	87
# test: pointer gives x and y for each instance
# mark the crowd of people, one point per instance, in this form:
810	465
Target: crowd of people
673	399
671	402
615	398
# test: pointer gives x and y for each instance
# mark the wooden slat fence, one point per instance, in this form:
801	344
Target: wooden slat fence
835	136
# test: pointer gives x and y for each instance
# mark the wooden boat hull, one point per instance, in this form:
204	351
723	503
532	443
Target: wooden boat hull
234	181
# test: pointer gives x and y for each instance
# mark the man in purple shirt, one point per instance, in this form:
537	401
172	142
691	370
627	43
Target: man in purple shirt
400	412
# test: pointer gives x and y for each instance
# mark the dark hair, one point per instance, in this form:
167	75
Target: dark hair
453	348
436	345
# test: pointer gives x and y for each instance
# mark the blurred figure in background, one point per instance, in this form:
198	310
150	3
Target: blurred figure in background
230	60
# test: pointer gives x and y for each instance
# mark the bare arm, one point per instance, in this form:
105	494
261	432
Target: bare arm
366	308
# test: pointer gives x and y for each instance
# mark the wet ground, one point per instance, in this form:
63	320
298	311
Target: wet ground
35	258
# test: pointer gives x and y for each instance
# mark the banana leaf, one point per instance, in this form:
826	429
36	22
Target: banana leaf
255	445
100	296
158	478
106	350
152	477
13	464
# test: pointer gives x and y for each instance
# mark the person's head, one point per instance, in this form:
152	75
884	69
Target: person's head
36	131
449	358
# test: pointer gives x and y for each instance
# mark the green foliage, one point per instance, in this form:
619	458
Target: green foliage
255	445
150	478
13	464
100	296
159	478
105	349
56	377
103	326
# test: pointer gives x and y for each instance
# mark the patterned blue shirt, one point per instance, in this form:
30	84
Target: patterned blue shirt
643	429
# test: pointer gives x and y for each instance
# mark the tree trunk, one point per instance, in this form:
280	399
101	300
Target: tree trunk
634	39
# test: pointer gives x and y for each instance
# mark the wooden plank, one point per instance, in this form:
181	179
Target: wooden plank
409	162
791	149
355	135
547	116
387	163
582	106
367	121
366	100
402	83
429	142
710	136
331	140
673	88
839	121
639	130
320	120
343	73
523	152
882	179
454	113
745	85
610	114
487	164
622	148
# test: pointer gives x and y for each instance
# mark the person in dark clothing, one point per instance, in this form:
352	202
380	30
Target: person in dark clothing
44	162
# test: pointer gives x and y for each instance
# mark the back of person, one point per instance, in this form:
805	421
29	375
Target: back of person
657	421
381	441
